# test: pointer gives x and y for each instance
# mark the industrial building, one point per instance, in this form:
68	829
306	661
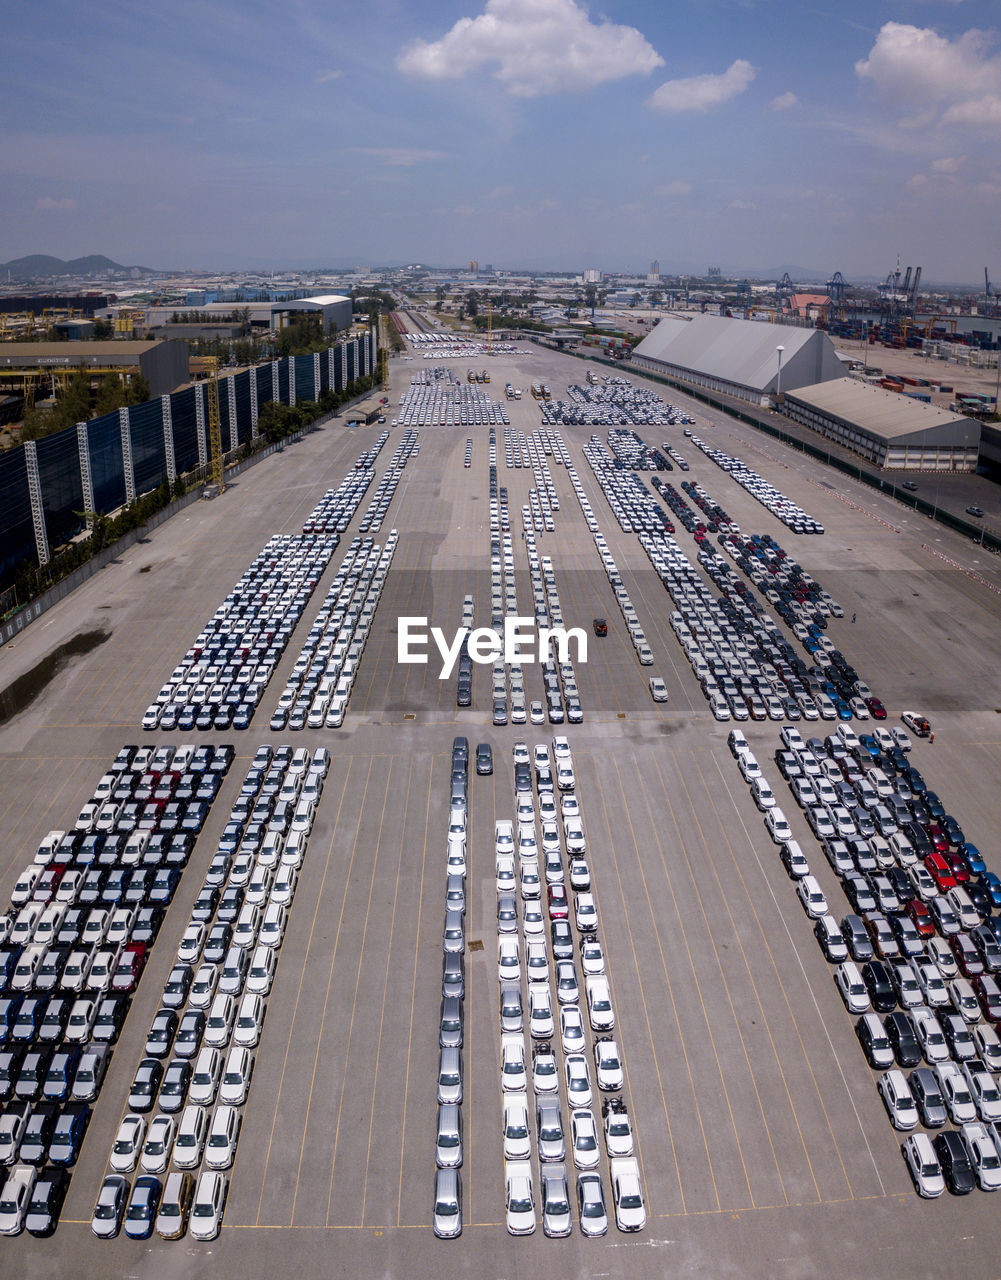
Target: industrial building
29	367
890	430
334	310
746	359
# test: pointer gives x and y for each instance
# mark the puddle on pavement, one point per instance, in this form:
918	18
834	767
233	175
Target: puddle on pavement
21	693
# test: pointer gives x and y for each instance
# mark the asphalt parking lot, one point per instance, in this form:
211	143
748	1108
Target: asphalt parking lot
764	1147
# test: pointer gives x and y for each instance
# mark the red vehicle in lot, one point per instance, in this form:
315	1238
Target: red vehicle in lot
921	918
957	865
559	907
938	837
876	708
940	872
129	967
967	956
989	994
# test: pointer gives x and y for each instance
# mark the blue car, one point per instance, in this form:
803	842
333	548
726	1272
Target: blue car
141	1210
993	886
844	710
870	744
68	1135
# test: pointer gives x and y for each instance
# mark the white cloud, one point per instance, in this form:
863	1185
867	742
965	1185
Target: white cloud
537	47
784	102
699	93
402	157
325	77
943	82
918	180
948	164
679	187
49	202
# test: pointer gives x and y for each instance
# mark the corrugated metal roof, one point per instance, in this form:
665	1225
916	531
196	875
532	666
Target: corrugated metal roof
738	351
885	414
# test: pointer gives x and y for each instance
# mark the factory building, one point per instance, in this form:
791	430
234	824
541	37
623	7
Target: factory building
738	358
334	310
890	430
25	365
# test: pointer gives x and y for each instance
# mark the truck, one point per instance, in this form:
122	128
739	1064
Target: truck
627	1194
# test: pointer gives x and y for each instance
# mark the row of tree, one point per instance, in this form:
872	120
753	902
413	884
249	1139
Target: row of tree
275	422
86	395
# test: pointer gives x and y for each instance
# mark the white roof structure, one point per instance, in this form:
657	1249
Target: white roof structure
887	415
739	356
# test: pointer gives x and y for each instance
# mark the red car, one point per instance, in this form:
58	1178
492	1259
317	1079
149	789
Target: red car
921	918
129	967
876	708
559	907
938	837
957	865
940	872
989	994
967	956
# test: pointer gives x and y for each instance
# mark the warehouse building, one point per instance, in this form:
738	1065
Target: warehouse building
746	359
891	430
334	310
23	365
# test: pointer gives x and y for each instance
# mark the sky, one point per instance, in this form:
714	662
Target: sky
547	134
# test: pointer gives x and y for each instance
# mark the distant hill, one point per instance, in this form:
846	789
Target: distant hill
40	265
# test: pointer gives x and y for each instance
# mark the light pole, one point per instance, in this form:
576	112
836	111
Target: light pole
778	380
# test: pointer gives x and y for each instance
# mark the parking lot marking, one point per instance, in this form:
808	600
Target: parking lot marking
413	992
670	991
298	994
749	905
795	1022
358	973
385	979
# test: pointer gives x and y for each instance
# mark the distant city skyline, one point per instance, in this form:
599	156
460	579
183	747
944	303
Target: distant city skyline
540	134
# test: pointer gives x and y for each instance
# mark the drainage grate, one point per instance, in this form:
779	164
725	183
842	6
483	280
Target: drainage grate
476	944
409	715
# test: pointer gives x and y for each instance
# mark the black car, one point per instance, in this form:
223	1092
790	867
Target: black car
174	1089
217	943
110	1016
951	1152
145	1083
8	963
161	1033
46	1201
11	1058
880	986
38	1133
141	1211
903	1038
484	758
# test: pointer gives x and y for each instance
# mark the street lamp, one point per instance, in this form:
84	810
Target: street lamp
778	380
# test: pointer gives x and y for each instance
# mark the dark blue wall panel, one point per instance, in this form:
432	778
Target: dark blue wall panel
106	470
149	457
62	488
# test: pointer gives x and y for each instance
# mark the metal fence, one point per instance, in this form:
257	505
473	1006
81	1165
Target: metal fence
49	487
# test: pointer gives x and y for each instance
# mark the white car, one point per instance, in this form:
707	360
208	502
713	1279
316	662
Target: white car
592	957
852	988
508	959
236	1076
128	1143
930	1037
584	1138
627	1194
923	1165
599	1004
778	826
618	1128
207	1206
763	795
513	1076
812	897
955	1093
517	1138
519	1199
608	1064
578	1081
158	1145
540	1020
585	913
16	1197
984	1158
898	1099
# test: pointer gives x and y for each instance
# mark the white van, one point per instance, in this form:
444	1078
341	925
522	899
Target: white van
219	1024
223	1135
248	924
262	971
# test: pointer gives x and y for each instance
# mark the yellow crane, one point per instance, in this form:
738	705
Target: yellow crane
215	427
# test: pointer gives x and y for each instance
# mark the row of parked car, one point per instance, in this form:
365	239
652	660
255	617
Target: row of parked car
88	909
781	507
223	675
376	510
917	955
518	843
319	686
199	1052
625	493
613	401
449	403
